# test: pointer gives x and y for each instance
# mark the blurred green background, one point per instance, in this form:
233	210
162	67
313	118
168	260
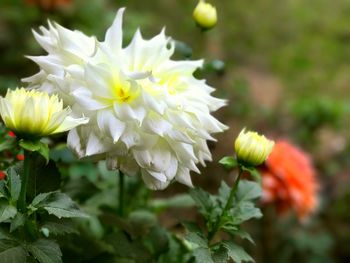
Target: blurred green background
283	65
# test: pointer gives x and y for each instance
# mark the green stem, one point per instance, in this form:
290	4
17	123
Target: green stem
228	206
121	194
22	200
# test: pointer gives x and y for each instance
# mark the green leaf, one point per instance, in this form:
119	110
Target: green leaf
177	201
244	235
11	252
126	248
197	238
7	211
14	184
158	240
36	146
229	162
17	221
243	206
3	189
248	190
223	193
31	146
220	255
202	255
45	251
57	204
237	253
44	151
60	227
203	201
6	145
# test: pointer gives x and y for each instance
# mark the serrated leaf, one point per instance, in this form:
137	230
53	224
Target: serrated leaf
236	252
11	252
45	251
220	255
197	238
229	162
247	210
244	235
17	221
3	191
14	184
203	201
248	190
224	193
57	204
202	255
192	227
7	211
60	228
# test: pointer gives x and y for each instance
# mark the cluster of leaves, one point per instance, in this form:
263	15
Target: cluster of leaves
219	219
28	235
38	233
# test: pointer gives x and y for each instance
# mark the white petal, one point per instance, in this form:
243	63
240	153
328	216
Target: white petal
114	35
70	123
94	145
183	176
152	182
85	99
109	124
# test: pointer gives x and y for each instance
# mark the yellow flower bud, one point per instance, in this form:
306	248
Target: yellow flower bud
252	148
205	15
33	114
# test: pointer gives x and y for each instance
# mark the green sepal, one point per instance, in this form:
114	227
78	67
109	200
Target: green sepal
229	162
36	146
253	172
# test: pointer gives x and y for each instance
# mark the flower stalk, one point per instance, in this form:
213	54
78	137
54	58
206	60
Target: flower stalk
27	166
227	207
121	194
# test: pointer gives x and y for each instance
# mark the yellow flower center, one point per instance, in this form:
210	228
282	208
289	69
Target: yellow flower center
123	91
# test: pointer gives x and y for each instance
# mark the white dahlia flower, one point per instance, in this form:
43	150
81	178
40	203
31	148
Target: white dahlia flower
147	112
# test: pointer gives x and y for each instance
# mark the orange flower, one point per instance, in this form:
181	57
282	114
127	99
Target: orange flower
289	180
2	175
49	4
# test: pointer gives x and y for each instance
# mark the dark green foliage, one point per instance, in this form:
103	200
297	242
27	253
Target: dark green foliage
212	207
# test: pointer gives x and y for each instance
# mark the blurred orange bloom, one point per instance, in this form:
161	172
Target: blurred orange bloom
289	180
49	4
2	175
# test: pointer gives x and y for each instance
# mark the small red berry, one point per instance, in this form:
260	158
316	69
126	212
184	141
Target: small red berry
20	157
12	134
2	175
